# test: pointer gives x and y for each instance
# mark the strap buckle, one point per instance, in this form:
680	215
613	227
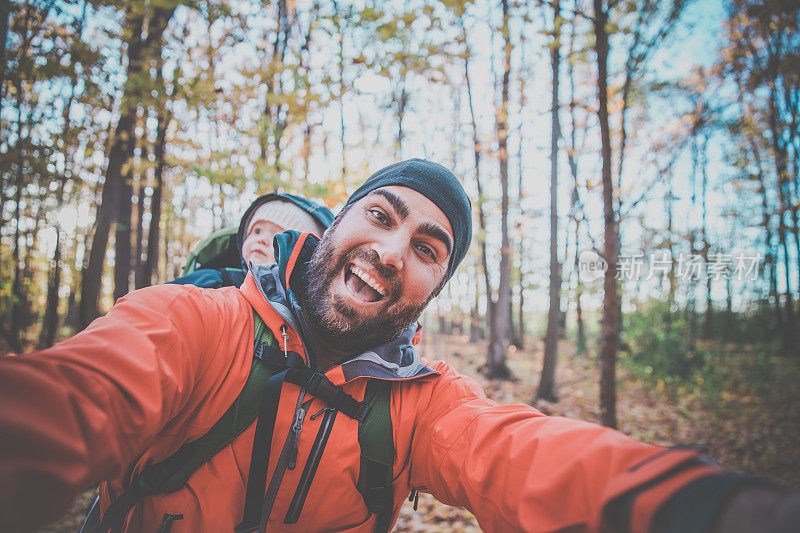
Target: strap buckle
378	498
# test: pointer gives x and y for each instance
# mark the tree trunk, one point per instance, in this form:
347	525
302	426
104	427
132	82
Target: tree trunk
165	270
275	113
401	100
608	348
341	109
121	149
306	151
50	321
547	386
476	330
304	60
24	314
580	340
769	258
16	287
117	159
691	296
138	263
496	361
122	240
671	274
575	202
13	333
5	11
581	336
513	330
708	321
779	155
490	303
92	273
519	337
79	247
521	313
792	102
342	88
151	263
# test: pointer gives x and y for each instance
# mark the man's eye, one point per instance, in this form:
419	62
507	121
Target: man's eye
427	251
257	231
379	216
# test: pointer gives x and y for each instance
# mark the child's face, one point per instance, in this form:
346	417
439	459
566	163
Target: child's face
257	246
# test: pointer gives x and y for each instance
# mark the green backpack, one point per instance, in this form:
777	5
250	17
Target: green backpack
171	474
218	250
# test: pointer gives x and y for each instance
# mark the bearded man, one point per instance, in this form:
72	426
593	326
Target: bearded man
167	362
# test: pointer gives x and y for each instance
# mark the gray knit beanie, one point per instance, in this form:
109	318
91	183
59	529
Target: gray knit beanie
437	184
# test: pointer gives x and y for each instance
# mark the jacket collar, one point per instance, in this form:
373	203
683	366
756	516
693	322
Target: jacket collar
394	360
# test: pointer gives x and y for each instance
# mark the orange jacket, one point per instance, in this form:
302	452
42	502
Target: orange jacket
166	362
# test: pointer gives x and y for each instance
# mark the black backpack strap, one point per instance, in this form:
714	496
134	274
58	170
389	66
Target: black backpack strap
173	472
233	277
320	386
377	453
259	458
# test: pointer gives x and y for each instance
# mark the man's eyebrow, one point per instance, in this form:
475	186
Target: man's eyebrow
435	231
430	229
400	206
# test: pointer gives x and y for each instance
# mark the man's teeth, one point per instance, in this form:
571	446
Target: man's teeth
369	280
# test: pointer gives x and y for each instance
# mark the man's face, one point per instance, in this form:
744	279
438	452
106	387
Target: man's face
257	245
377	268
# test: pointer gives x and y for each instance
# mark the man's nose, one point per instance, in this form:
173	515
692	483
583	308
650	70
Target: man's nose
390	250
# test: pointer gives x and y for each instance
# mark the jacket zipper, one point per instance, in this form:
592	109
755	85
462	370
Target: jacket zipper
314	457
283	461
293	438
308	345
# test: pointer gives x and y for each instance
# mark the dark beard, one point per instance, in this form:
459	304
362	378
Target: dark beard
335	321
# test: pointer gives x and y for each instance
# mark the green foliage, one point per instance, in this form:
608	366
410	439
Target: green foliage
656	345
664	347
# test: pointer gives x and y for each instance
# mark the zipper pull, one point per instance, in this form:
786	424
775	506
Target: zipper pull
321	412
166	523
414	496
294	436
285	335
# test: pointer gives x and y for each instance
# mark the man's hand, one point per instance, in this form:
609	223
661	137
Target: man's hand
757	509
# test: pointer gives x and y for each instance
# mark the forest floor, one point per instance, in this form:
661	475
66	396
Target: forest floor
750	423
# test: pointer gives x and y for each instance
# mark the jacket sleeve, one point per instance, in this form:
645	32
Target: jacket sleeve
517	469
85	409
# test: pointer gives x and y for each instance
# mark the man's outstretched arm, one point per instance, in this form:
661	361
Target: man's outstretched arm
519	470
85	409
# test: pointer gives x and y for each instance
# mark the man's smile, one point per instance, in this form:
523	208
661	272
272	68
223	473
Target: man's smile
362	286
